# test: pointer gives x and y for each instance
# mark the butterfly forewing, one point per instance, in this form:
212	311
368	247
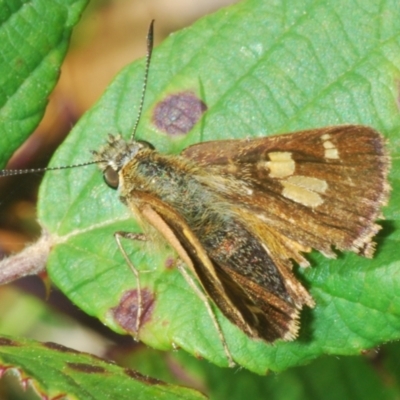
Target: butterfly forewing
319	188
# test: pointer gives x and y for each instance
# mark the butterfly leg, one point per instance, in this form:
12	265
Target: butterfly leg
142	238
205	300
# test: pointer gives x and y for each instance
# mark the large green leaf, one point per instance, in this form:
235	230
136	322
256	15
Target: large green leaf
261	68
56	371
34	37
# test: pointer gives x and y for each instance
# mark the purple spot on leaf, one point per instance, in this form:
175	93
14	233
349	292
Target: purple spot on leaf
170	263
178	113
126	312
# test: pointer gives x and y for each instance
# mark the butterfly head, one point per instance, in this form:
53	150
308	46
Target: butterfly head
113	156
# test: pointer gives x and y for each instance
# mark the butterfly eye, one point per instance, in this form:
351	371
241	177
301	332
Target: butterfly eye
111	177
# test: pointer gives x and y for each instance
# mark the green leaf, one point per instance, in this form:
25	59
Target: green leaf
56	371
369	377
261	68
34	37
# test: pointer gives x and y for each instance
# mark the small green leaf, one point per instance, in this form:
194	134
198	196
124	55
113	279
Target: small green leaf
56	371
260	68
34	37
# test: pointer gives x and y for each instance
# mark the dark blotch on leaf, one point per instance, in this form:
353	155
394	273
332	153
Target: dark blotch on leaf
60	347
87	368
170	263
178	113
145	379
7	342
126	311
63	349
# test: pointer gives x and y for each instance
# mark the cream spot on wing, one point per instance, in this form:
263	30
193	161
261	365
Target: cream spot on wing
328	145
304	190
331	150
332	153
281	164
309	183
301	195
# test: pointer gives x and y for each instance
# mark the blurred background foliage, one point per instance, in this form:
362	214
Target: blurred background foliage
110	35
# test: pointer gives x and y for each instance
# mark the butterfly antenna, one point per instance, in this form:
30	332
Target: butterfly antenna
12	172
150	41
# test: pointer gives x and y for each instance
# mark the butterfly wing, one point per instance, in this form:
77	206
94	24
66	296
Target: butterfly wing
255	205
256	311
317	188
